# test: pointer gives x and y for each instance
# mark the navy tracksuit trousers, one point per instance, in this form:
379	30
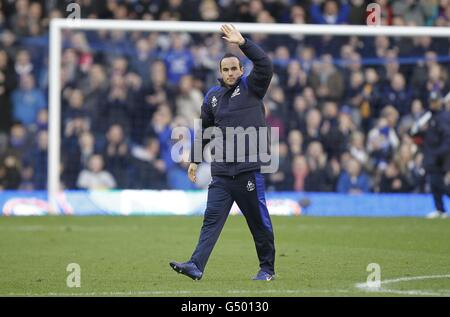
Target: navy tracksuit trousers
248	191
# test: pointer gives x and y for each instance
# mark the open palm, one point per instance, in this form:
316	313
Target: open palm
231	35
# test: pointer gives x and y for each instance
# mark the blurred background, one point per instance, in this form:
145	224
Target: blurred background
344	106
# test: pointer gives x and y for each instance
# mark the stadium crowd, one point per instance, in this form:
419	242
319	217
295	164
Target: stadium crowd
343	105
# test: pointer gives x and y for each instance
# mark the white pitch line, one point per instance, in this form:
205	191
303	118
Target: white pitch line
365	287
359	286
211	292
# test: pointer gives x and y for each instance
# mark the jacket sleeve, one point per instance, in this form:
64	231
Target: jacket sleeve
199	143
261	74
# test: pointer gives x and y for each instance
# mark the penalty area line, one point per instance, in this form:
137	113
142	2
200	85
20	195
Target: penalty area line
412	292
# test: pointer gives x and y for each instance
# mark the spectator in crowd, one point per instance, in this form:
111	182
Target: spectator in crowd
310	97
87	147
447	102
393	181
421	71
19	18
412	11
26	178
351	64
188	99
115	153
382	139
10	172
94	177
294	79
160	128
404	159
299	173
159	92
336	129
148	169
69	67
370	103
312	129
73	128
117	108
357	149
279	181
357	14
177	177
353	180
94	88
70	153
275	108
281	60
331	12
437	81
326	80
23	65
75	105
297	118
5	105
27	101
146	53
399	95
354	93
408	120
41	121
20	142
306	55
209	11
39	163
418	173
7	85
295	143
179	59
316	180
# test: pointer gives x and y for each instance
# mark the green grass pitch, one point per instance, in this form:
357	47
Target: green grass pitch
129	256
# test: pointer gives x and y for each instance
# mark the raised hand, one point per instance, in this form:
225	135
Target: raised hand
192	170
232	35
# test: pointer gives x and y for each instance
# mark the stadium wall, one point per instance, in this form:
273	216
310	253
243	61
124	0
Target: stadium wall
172	202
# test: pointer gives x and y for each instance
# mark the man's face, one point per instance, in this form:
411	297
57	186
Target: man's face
230	70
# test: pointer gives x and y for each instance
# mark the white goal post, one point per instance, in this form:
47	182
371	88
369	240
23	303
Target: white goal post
57	25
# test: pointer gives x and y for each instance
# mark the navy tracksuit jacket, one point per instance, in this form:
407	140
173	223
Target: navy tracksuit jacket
239	181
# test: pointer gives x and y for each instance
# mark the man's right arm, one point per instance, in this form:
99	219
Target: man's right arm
199	143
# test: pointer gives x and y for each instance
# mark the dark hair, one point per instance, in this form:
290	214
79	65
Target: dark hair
227	55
